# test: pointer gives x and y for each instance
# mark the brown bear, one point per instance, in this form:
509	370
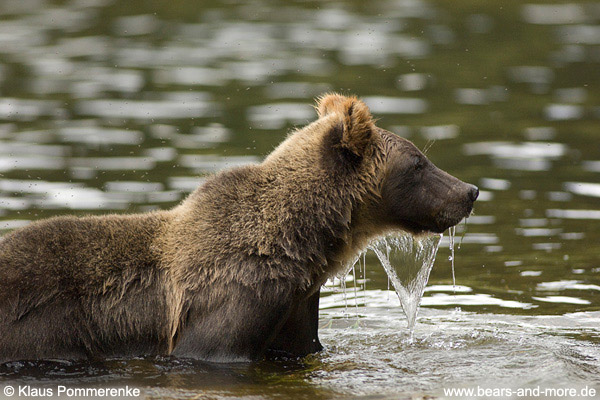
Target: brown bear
233	272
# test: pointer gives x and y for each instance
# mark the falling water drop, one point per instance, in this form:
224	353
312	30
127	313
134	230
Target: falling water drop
343	286
364	271
452	234
355	290
342	275
462	237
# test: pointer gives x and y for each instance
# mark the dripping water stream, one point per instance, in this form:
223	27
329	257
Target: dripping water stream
451	236
408	261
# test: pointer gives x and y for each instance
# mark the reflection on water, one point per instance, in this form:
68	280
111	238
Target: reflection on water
110	106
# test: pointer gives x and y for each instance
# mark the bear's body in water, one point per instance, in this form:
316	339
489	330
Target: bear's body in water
234	271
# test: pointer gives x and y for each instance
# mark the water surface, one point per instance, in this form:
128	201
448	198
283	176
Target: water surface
110	106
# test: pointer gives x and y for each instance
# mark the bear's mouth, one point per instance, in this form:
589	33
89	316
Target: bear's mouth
418	229
446	219
448	223
441	222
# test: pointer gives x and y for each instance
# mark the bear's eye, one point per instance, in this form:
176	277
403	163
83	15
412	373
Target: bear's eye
419	163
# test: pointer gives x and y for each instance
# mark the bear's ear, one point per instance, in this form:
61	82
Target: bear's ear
355	126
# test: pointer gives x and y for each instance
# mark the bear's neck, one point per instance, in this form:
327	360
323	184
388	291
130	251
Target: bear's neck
257	215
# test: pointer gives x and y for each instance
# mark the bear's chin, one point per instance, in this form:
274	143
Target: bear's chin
428	231
446	220
439	227
420	230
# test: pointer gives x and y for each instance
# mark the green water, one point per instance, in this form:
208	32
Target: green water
110	106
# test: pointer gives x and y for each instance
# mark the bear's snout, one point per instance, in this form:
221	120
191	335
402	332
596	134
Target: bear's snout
456	210
473	193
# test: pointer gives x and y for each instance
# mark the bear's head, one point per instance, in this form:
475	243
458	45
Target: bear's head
409	191
392	183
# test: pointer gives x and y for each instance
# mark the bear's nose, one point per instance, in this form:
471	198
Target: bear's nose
473	192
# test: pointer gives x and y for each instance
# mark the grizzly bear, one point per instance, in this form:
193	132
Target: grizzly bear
234	271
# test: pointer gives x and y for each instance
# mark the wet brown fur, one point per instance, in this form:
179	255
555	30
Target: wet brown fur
230	274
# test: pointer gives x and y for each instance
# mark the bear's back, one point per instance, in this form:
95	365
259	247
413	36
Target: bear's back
62	267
